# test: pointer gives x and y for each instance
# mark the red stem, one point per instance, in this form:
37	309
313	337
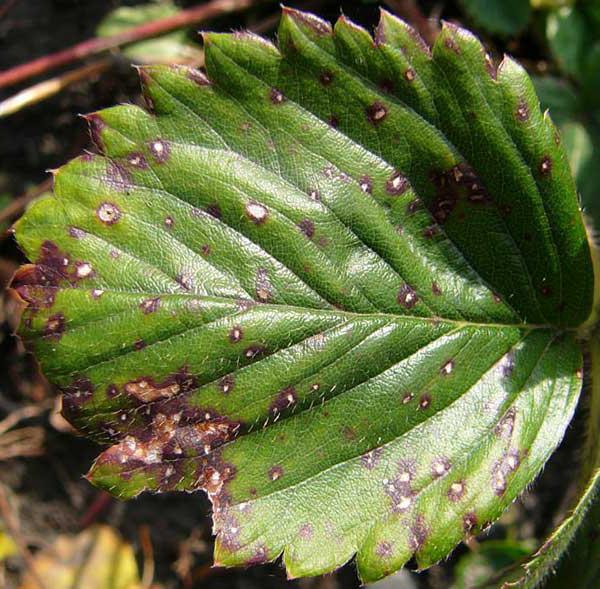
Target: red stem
100	44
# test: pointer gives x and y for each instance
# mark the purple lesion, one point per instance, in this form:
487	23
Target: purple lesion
177	448
453	185
37	284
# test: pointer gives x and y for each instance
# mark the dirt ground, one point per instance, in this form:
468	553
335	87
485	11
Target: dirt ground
46	491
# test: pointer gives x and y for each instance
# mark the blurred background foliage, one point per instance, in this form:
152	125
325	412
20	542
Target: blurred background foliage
56	530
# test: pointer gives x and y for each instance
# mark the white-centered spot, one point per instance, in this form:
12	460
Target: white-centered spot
440	468
108	213
448	367
256	212
456	488
404	502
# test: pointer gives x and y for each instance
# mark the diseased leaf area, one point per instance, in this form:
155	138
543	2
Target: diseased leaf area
333	283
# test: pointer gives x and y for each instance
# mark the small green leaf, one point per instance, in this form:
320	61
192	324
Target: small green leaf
488	558
569	39
168	48
505	17
335	283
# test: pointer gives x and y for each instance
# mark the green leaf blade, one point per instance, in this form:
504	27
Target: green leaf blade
334	284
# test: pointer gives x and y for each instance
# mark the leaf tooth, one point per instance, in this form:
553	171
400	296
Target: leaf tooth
345	26
309	23
96	128
394	31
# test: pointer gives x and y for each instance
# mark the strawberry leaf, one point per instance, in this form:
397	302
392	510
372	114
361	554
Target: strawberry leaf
334	283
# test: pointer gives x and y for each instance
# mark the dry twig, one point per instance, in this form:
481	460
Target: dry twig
98	45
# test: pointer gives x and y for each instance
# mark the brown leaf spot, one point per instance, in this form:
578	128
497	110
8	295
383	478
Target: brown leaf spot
326	78
431	231
236	334
150	305
109	213
275	473
447	368
349	433
504	428
456	491
117	177
256	212
264	289
397	184
77	394
146	389
424	401
260	556
522	112
370	459
502	469
469	522
418	534
366	184
376	112
413	206
185	280
253	352
160	150
407	297
226	384
451	44
169	222
83	270
384	549
137	160
54	327
77	233
307	227
276	96
399	490
440	467
285	399
545	166
410	75
435	289
450	185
